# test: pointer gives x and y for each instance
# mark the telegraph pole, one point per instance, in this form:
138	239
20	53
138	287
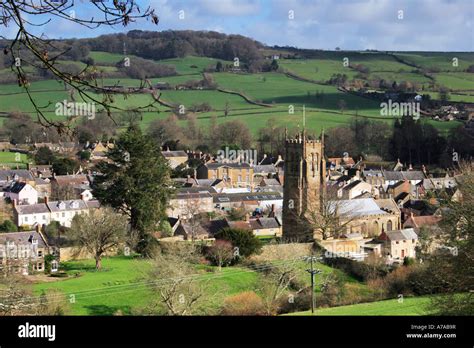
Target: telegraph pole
312	272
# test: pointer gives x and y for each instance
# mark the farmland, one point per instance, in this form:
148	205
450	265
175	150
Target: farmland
276	89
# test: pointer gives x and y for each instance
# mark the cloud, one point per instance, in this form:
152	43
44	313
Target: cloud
436	25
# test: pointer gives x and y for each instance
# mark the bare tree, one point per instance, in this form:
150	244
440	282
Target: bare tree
43	53
174	279
192	214
222	253
326	213
275	283
98	232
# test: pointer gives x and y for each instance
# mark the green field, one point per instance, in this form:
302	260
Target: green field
322	101
12	160
409	306
121	286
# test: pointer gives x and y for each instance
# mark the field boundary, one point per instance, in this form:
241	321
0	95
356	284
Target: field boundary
247	99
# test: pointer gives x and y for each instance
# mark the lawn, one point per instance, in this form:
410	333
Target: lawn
409	306
120	285
12	159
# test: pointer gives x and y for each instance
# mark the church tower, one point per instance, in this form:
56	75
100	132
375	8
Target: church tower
305	173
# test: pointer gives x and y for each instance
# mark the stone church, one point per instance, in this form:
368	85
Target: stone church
305	173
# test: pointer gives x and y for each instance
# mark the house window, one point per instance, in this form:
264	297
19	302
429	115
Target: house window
40	253
240	178
40	266
44	217
389	225
413	241
397	242
26	218
63	214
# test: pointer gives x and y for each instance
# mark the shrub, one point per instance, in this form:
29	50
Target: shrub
245	303
244	240
408	261
362	271
298	302
8	226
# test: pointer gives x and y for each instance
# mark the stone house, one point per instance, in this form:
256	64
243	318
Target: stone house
237	174
399	244
175	158
23	251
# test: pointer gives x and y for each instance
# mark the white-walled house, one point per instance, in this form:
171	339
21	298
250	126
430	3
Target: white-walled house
22	193
64	211
32	214
44	213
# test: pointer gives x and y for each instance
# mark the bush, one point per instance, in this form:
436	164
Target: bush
362	271
8	226
408	261
245	303
296	303
244	240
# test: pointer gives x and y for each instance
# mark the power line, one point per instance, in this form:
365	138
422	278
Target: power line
138	285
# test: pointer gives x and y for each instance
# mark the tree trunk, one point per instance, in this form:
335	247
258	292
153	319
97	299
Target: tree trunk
98	262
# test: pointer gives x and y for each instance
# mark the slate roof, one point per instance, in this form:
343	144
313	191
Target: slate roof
264	168
387	204
75	204
248	196
54	206
71	179
39	208
352	185
270	182
403	175
9	174
216	165
170	154
23	238
15	188
264	223
357	207
407	233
